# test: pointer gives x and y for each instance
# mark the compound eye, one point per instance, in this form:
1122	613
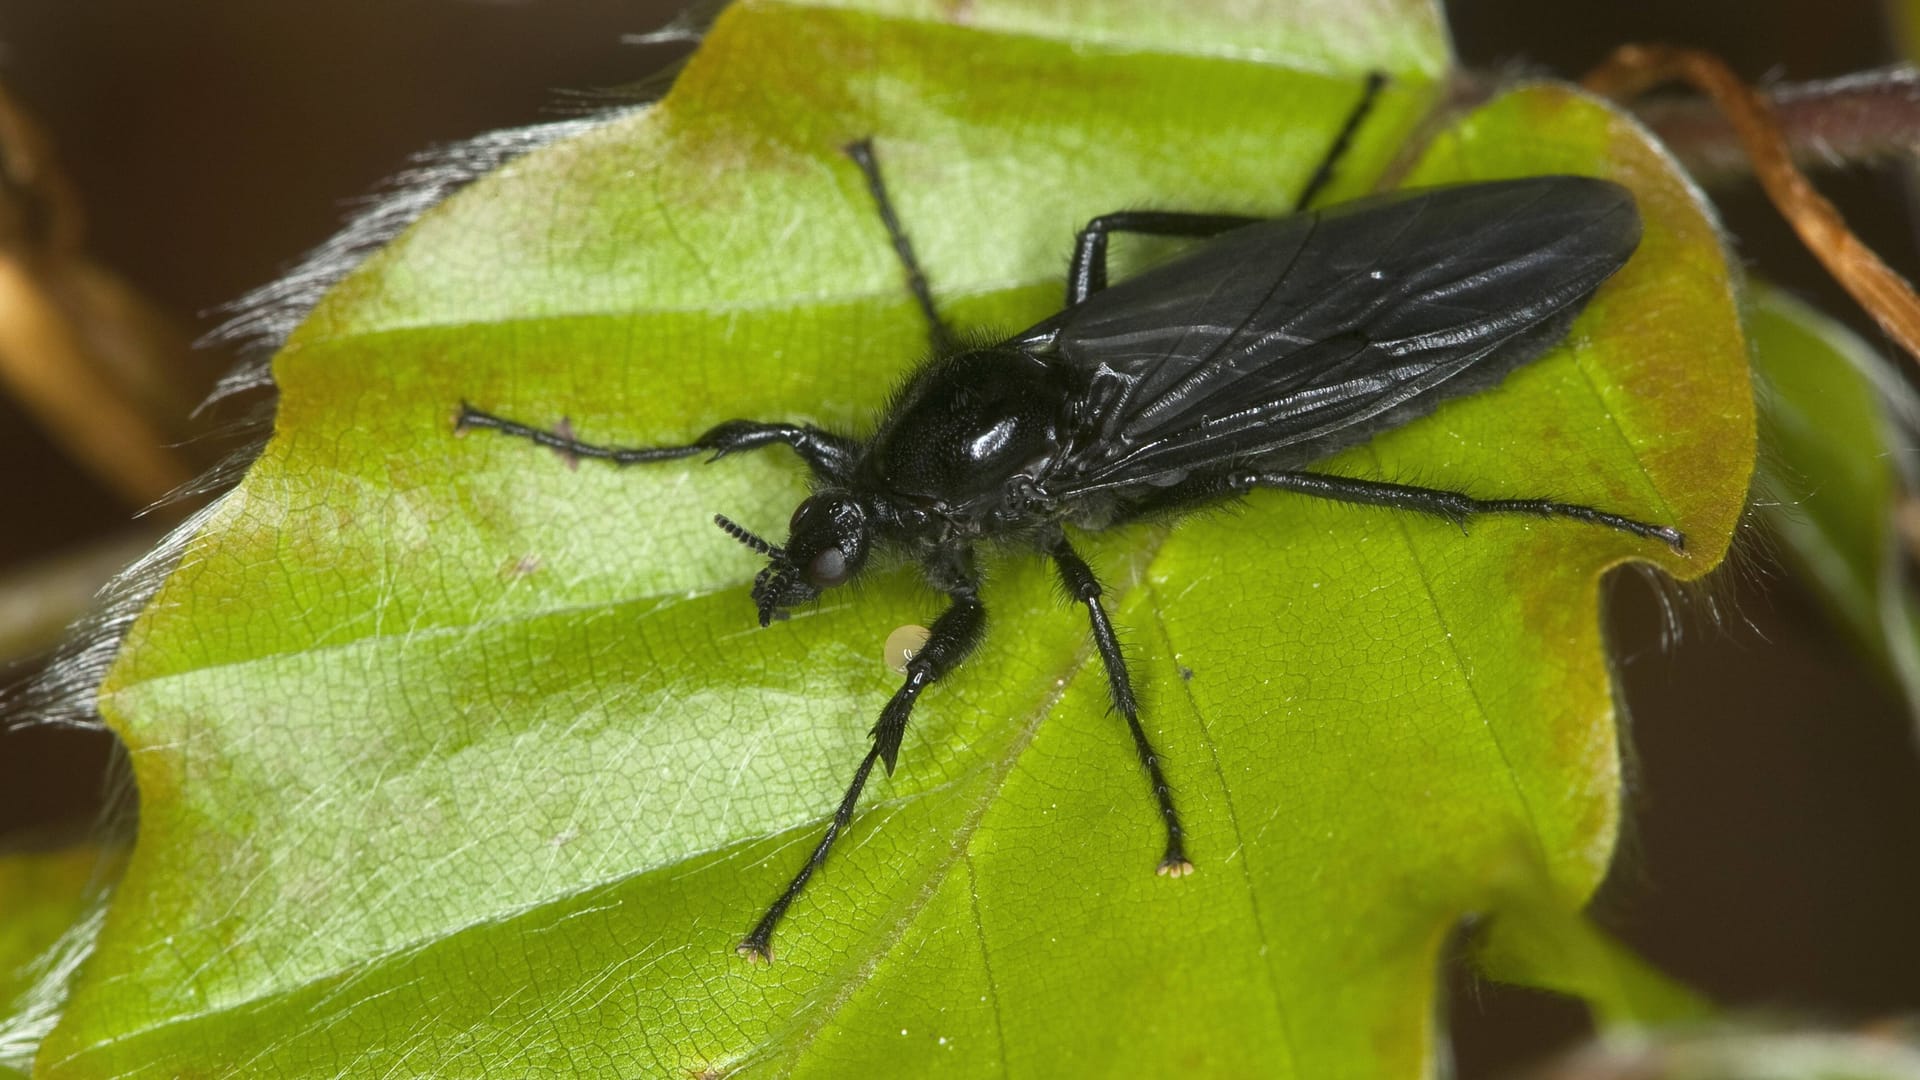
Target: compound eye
829	568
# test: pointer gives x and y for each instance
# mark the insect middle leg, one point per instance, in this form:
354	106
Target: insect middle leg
1082	585
830	456
952	636
1455	506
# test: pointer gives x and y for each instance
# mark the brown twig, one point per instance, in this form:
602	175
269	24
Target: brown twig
1634	69
98	366
39	208
1863	118
44	361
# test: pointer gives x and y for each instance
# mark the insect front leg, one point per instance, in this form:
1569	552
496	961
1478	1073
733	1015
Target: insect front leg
830	456
952	636
1082	585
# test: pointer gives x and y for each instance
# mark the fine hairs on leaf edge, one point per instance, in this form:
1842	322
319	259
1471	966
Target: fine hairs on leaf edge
258	324
260	321
63	693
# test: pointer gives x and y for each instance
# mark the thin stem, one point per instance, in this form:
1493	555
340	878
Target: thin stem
1863	118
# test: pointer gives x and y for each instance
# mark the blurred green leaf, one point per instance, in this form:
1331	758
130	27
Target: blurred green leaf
1535	942
45	897
455	760
1832	479
41	895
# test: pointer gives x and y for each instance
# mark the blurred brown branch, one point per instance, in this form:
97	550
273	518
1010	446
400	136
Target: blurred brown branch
1632	70
106	373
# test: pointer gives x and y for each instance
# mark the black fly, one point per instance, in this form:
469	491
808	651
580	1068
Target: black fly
1266	348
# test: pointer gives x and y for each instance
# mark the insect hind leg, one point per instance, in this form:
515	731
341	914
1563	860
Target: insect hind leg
1455	506
861	151
1088	272
1323	172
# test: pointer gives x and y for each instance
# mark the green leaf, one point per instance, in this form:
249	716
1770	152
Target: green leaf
1832	478
456	760
46	900
1537	942
41	894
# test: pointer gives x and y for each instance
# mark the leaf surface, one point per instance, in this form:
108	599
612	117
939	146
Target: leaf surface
49	904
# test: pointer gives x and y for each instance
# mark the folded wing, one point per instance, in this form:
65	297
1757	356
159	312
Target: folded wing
1286	340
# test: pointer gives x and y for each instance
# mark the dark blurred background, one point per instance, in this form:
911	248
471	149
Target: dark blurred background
1774	859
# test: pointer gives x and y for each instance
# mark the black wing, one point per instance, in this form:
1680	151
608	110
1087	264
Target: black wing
1286	340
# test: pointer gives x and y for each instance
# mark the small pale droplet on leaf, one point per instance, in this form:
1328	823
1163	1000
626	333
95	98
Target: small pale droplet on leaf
902	644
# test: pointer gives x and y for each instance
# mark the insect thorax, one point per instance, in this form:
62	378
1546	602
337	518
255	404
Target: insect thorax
965	427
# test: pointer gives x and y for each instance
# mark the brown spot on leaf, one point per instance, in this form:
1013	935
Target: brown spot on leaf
524	566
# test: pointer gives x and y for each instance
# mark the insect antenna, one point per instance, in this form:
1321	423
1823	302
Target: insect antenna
739	532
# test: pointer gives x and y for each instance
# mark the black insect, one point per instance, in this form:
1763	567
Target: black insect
1264	349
